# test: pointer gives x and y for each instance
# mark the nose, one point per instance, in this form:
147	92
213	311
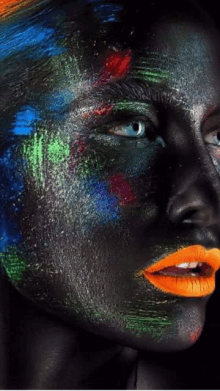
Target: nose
195	194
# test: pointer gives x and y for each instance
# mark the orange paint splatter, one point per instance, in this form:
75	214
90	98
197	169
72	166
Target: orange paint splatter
8	7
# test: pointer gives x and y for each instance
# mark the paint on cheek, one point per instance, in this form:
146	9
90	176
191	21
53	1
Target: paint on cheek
116	65
60	100
25	120
13	264
123	190
11	196
102	201
43	148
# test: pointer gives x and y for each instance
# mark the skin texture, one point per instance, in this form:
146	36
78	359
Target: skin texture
95	202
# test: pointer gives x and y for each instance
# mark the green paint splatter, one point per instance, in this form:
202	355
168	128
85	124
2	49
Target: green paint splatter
149	70
89	166
134	106
33	153
149	76
143	324
42	148
57	150
13	264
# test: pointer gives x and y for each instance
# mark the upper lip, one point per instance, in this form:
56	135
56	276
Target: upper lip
195	253
181	283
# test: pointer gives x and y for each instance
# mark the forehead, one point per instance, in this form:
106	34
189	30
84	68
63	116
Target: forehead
186	55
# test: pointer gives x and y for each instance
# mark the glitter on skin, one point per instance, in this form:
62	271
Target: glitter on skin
60	100
104	109
25	120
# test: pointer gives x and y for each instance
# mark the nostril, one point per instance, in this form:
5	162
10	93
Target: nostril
190	208
189	216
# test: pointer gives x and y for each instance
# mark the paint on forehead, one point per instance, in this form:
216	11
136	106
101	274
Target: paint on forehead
104	109
152	67
13	264
38	41
108	12
25	120
116	65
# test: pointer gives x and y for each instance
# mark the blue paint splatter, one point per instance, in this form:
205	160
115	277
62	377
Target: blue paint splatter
60	100
25	120
11	190
102	202
18	37
107	12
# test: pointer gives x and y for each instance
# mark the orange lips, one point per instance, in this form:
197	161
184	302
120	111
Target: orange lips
167	276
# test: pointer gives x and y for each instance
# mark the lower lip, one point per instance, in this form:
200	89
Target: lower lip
197	286
186	285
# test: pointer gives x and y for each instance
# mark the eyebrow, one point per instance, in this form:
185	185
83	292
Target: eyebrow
133	90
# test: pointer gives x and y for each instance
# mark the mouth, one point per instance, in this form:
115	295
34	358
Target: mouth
189	272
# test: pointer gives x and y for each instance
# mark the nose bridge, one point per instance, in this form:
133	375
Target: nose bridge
195	188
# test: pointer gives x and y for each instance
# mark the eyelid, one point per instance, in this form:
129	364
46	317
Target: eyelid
211	124
126	121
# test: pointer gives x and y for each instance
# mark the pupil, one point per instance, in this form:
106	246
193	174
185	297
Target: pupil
136	127
218	136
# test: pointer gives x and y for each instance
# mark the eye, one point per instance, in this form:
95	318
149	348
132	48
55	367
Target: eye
213	138
132	129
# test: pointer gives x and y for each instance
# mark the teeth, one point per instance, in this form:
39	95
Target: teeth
193	264
183	265
190	265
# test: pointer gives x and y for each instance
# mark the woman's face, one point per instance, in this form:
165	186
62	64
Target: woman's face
129	175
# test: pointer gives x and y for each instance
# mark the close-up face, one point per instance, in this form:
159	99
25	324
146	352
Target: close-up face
117	180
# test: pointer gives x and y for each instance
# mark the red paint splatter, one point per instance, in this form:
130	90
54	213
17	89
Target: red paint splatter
76	148
193	336
102	110
116	65
123	190
209	113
